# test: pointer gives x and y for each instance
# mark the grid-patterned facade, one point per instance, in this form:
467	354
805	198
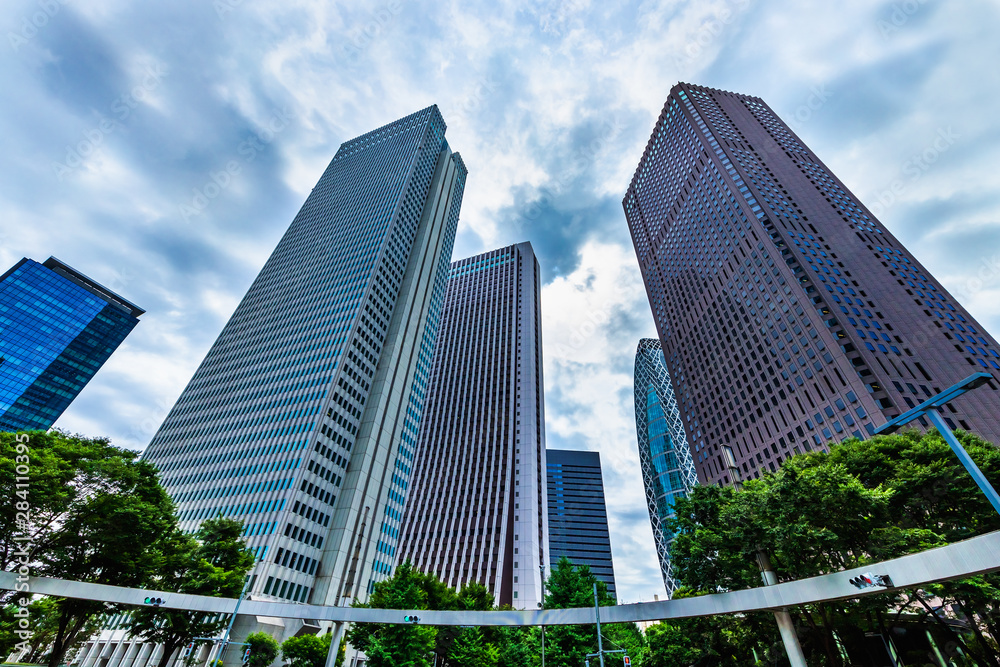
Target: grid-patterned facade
57	328
789	316
302	420
578	515
667	465
477	507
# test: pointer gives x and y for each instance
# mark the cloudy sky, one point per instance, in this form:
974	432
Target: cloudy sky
116	116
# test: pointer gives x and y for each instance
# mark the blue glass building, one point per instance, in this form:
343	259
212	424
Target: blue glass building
302	420
667	466
578	515
57	328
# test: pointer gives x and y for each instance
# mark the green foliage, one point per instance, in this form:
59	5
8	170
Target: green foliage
263	649
397	645
568	587
863	502
472	650
216	564
306	651
97	514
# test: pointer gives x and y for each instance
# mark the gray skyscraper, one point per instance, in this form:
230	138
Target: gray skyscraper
578	515
477	507
667	467
303	417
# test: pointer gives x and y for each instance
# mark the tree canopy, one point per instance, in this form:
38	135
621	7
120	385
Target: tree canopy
862	502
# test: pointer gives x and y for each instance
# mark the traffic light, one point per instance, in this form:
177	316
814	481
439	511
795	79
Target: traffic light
246	656
869	580
156	602
411	619
627	661
188	649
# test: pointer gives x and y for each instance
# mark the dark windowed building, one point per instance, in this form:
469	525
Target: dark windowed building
578	516
301	422
789	316
666	462
476	511
57	328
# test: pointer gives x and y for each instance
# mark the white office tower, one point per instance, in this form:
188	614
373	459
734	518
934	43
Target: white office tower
302	419
477	509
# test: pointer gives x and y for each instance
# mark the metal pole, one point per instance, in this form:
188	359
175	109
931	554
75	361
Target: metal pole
597	614
331	657
785	626
966	460
232	619
789	638
541	568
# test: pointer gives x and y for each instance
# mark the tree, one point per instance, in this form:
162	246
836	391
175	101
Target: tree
408	645
306	651
215	565
568	587
669	646
263	649
862	502
97	514
471	649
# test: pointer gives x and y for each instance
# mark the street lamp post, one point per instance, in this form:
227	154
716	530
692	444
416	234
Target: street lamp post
929	409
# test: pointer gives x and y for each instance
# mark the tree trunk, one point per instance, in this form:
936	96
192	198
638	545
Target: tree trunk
958	638
829	642
168	652
66	634
987	649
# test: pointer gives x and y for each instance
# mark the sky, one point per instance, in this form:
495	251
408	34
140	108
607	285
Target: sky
163	149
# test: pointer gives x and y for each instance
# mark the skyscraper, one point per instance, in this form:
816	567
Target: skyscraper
57	328
667	466
302	419
578	515
789	315
476	511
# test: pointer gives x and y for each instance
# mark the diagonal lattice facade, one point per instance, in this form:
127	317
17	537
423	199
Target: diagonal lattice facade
667	466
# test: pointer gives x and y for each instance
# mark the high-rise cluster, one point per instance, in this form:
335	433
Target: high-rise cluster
789	316
666	462
370	401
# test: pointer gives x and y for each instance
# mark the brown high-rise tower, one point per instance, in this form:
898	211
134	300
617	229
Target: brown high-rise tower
789	316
